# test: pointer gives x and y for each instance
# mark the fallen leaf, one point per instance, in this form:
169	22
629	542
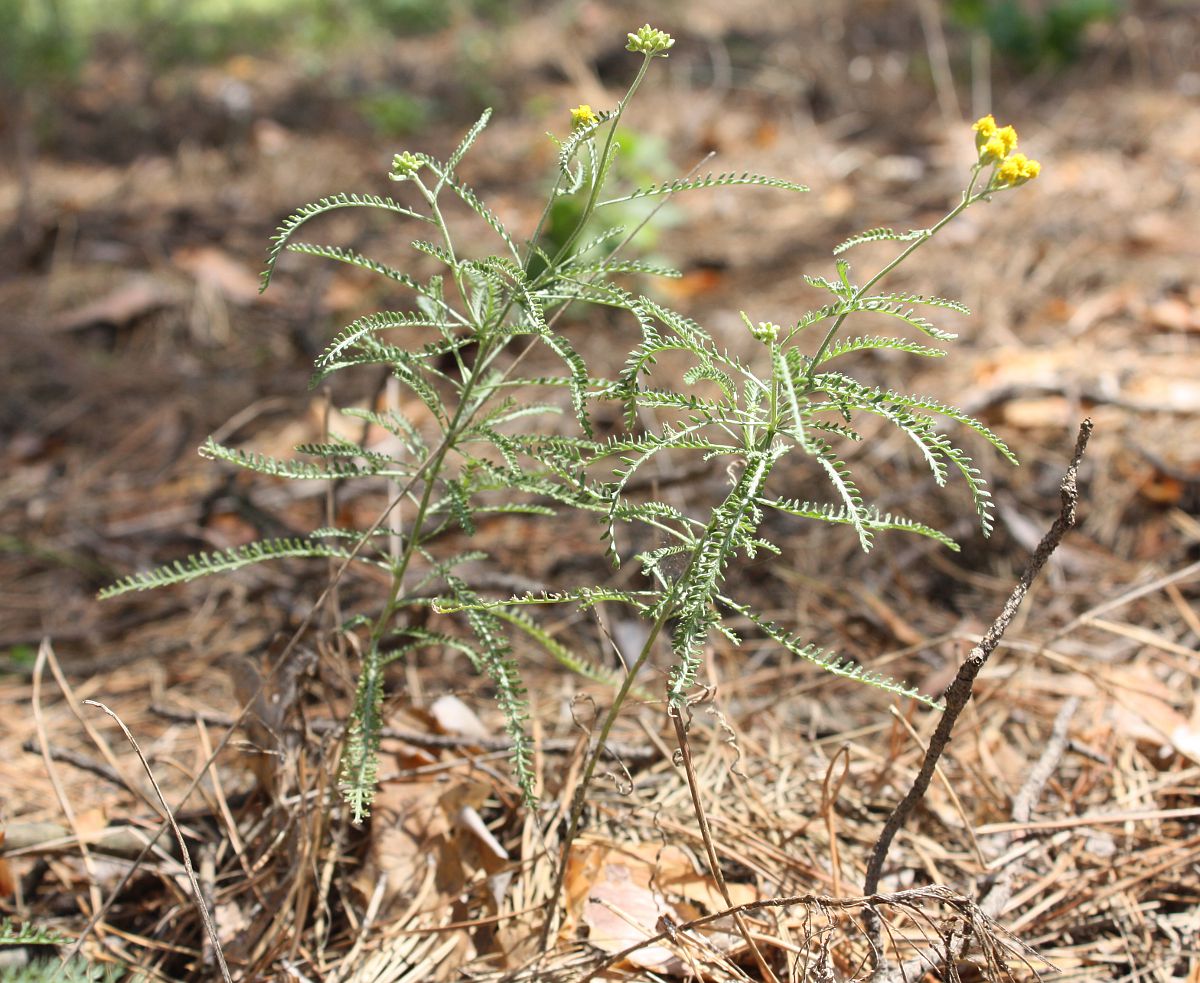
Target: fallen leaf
1174	314
624	894
452	716
1144	711
137	296
1043	411
214	268
8	886
409	836
621	910
694	283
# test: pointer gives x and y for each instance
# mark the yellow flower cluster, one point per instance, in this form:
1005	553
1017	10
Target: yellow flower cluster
583	116
996	144
1018	169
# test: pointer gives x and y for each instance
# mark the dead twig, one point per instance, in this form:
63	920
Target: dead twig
78	760
959	692
997	898
829	794
44	654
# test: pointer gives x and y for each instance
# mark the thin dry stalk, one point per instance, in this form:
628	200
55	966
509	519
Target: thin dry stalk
44	654
829	811
187	860
714	864
153	840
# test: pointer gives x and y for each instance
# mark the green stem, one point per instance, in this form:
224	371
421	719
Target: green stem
667	609
461	417
602	173
967	200
589	769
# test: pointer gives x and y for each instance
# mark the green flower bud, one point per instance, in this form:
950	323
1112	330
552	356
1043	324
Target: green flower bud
649	41
766	332
405	166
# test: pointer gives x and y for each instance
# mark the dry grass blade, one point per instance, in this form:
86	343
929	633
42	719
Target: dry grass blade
187	860
45	653
710	848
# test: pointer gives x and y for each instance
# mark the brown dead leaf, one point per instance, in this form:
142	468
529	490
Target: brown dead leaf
421	829
1170	386
622	893
694	283
409	837
621	909
1144	711
1037	411
215	269
1026	367
136	296
1099	307
8	886
1174	314
1159	488
678	877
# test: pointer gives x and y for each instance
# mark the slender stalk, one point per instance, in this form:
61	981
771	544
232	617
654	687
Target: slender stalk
714	864
967	200
602	170
589	769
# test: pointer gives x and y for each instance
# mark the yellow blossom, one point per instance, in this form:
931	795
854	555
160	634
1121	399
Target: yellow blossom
993	142
993	149
985	129
1017	169
583	116
985	126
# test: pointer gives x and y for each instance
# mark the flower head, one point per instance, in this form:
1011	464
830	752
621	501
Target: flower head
766	332
985	126
405	166
992	149
649	41
1016	170
583	116
997	145
994	142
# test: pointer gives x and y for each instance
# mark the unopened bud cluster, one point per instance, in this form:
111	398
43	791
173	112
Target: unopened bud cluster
649	41
405	166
